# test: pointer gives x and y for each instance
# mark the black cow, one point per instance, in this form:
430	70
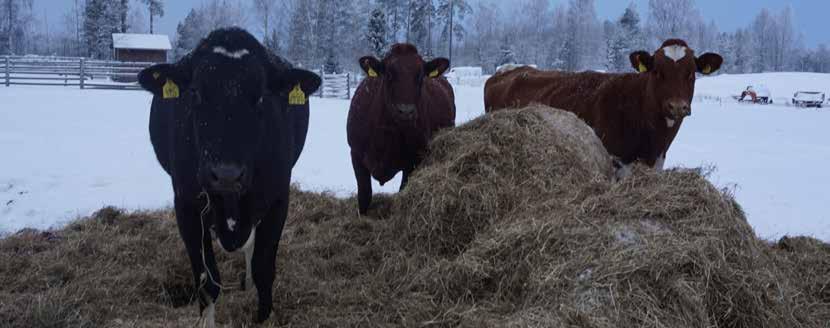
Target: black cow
228	122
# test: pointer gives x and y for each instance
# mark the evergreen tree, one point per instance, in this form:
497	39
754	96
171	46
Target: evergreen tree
188	33
272	42
507	56
101	20
299	32
376	33
156	8
419	28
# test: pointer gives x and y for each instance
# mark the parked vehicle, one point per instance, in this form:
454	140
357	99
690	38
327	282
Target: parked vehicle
756	94
808	99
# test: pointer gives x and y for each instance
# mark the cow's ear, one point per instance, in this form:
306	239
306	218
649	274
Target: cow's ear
642	61
297	84
372	66
163	80
709	63
437	67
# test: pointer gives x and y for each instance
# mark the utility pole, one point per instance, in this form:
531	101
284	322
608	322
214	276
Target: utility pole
451	14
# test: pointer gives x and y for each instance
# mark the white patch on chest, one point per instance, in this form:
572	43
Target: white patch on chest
675	52
231	224
235	55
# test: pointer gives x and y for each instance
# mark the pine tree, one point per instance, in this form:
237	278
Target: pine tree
188	33
376	32
419	19
272	42
156	8
300	45
101	20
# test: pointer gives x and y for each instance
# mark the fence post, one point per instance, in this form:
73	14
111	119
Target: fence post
83	75
348	85
7	71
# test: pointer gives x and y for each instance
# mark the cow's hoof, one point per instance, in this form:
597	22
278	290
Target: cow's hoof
208	318
262	314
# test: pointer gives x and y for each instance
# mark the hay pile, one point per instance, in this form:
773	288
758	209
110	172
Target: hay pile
513	221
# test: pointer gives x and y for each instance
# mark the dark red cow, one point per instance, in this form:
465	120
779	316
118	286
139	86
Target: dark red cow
395	112
637	116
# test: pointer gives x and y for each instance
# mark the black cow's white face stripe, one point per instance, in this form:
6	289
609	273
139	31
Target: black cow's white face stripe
235	55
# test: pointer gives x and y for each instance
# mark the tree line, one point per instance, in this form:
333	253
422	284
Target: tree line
332	34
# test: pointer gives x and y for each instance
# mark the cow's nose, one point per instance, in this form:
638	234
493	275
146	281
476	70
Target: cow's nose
227	177
406	109
679	109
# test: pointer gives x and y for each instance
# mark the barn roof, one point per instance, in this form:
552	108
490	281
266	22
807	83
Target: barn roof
141	41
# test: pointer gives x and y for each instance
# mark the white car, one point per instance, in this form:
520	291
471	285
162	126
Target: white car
808	99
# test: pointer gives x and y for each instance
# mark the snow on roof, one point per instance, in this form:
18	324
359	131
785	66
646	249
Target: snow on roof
141	41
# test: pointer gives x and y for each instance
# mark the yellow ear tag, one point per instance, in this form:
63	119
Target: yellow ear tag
642	68
434	74
156	75
372	73
707	69
296	96
170	90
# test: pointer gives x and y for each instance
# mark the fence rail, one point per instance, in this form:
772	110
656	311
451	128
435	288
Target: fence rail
72	71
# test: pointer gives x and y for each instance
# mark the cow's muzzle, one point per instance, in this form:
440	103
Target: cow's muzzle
406	110
678	110
227	178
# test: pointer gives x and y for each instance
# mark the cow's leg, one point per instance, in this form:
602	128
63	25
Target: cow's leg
196	237
364	184
248	279
264	259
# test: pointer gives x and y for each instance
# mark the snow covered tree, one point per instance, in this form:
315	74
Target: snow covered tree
188	33
420	12
451	13
272	42
583	47
332	64
507	56
101	20
376	33
672	19
15	25
299	34
156	8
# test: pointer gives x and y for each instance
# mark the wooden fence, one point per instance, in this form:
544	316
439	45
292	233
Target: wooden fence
335	86
70	71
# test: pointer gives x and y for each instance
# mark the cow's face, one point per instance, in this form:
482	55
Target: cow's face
228	95
672	73
403	73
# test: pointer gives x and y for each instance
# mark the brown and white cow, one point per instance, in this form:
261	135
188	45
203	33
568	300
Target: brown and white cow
637	115
395	111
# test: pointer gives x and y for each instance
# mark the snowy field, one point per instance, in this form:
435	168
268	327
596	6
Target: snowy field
67	152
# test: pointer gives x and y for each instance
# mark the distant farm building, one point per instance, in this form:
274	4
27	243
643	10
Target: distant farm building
140	47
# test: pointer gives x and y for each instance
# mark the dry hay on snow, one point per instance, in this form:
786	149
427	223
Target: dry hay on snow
513	221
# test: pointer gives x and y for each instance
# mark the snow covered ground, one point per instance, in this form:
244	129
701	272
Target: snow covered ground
67	152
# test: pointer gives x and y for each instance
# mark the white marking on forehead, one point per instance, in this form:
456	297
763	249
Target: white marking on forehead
235	55
675	52
231	224
669	122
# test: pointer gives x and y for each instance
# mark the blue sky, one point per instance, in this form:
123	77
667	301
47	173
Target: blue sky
810	15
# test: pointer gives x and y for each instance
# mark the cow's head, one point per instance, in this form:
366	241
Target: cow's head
403	73
227	86
672	72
